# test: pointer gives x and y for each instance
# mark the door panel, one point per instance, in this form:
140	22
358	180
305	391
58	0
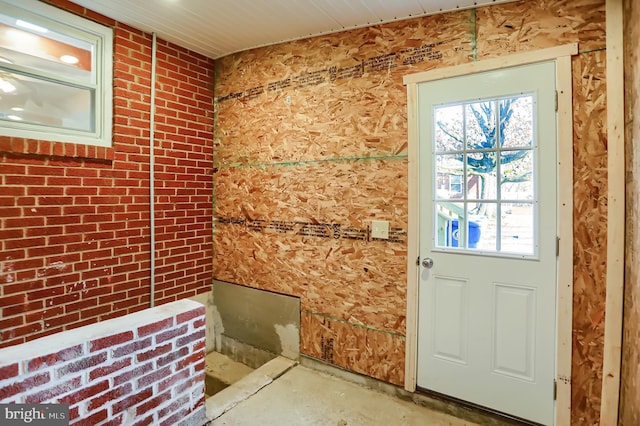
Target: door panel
514	338
486	306
450	319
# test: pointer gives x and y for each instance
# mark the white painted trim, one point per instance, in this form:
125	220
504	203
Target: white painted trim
610	401
411	350
564	303
562	56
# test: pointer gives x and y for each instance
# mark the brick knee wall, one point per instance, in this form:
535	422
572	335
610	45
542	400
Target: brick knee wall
144	368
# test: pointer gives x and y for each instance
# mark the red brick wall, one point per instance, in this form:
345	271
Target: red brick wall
147	368
75	220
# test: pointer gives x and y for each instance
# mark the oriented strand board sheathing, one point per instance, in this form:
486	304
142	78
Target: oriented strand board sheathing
261	241
344	192
337	124
364	350
537	24
590	234
630	375
336	96
356	281
271	64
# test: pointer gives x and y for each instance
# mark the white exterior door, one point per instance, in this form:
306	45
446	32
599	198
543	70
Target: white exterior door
487	291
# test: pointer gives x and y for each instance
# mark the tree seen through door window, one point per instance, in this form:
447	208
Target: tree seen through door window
489	146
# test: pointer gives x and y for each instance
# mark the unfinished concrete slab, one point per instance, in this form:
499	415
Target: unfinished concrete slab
221	372
303	396
247	386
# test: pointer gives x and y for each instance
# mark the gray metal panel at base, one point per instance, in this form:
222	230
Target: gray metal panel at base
265	320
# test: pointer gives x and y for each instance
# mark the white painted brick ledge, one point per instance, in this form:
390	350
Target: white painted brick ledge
76	336
144	368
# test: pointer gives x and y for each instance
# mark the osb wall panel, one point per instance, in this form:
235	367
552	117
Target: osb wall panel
590	234
343	192
630	375
530	25
301	126
310	145
336	96
356	281
359	346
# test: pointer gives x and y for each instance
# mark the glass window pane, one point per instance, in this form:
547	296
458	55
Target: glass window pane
41	49
448	128
482	225
449	171
56	73
28	100
517	228
448	216
516	121
455	186
516	175
482	179
485	195
481	125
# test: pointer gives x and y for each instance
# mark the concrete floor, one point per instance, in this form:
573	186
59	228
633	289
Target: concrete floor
221	372
303	396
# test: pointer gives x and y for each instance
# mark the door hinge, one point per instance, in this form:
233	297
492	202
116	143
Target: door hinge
555	390
556	101
557	246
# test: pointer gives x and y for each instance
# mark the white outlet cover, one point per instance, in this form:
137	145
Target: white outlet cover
380	229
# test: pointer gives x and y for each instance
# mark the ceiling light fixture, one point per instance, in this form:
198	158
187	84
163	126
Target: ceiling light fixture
17	109
14	117
69	59
6	87
30	26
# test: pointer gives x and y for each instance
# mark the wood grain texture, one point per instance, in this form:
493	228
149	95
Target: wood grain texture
530	25
590	234
614	318
336	96
359	282
344	192
630	375
363	350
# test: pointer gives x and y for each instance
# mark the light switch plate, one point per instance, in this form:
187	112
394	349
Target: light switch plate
380	229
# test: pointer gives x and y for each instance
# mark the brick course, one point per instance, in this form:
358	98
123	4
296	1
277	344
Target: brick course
75	219
168	386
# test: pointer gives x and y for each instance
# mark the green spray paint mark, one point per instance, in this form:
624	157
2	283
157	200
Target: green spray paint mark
391	333
311	162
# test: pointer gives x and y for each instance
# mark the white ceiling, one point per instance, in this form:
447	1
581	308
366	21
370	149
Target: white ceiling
216	28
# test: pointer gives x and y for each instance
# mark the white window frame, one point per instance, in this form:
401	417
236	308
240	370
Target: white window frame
78	27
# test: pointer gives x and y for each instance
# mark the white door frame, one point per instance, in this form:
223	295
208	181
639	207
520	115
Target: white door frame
564	297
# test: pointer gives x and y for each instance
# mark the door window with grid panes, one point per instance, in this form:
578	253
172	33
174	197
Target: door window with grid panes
485	150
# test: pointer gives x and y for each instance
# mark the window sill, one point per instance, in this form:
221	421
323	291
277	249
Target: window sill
57	149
